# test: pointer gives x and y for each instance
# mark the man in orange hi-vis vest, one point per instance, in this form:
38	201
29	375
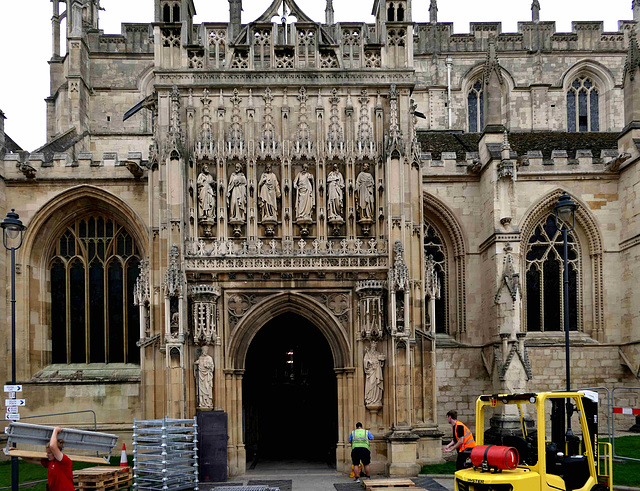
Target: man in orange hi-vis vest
462	439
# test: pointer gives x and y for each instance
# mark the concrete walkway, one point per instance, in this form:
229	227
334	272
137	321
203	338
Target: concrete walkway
308	476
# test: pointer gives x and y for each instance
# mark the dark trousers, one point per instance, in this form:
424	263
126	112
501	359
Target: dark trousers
462	458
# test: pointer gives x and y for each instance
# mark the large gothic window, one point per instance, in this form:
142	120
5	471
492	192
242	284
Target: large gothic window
582	105
93	268
544	279
475	104
434	247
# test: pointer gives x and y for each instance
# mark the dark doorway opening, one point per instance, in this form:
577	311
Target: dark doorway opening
290	393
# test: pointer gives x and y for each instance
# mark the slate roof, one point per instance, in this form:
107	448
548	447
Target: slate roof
437	142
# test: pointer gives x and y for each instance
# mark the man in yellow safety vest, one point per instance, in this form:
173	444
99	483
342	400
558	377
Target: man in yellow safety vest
360	450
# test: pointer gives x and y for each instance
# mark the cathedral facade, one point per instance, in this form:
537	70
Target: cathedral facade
304	224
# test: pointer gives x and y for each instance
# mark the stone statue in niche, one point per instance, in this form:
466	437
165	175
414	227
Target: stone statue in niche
305	199
365	194
237	199
206	200
335	198
204	368
269	193
374	384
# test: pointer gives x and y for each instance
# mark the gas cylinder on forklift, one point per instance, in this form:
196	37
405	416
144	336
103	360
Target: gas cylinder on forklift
554	436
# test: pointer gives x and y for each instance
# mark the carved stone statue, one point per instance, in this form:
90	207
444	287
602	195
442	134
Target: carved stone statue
365	191
305	198
269	192
335	194
237	196
206	198
374	386
204	374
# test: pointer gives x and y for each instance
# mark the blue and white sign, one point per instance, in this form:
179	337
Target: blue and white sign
13	388
14	402
12	417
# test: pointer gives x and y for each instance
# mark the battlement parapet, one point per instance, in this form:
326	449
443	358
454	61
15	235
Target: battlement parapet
531	36
134	38
36	166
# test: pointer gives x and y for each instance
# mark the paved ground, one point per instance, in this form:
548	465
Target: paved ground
297	476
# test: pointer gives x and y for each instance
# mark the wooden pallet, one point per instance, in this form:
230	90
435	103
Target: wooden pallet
385	484
102	478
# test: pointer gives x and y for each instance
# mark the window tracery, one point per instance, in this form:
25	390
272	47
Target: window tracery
93	269
544	278
434	247
582	105
475	105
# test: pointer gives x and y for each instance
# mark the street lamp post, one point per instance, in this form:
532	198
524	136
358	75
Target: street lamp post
12	229
565	213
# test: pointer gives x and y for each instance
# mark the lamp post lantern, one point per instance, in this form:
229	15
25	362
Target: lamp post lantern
565	213
12	229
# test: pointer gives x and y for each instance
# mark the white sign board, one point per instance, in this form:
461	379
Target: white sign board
14	402
12	410
12	417
13	388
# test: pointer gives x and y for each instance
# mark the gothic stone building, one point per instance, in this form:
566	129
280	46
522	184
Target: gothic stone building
355	220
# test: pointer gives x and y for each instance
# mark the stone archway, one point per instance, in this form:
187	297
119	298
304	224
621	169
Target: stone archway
289	389
331	331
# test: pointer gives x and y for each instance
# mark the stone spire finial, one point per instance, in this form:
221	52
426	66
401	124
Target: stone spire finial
633	57
535	11
493	84
328	13
433	12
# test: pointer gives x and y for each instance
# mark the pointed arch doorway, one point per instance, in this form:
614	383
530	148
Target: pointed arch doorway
290	393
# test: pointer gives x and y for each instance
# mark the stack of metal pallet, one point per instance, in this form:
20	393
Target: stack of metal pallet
165	454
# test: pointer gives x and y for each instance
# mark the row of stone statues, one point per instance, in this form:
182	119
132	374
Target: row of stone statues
373	364
269	193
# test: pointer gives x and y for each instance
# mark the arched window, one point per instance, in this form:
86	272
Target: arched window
476	107
166	13
434	246
582	105
544	279
93	269
391	11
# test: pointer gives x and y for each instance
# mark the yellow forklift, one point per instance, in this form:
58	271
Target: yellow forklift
543	453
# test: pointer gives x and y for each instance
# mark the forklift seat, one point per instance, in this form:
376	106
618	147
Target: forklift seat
526	452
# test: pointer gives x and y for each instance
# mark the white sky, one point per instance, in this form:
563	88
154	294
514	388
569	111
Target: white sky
25	37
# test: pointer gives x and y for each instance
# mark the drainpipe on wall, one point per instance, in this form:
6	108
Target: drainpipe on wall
449	62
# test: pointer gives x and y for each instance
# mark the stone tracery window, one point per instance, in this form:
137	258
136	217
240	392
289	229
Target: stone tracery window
544	279
582	105
475	104
434	246
93	269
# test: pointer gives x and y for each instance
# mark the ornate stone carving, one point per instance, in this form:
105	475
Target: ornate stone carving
238	305
432	289
374	382
237	199
205	313
510	279
175	135
335	135
206	200
235	140
268	194
142	297
205	145
305	199
365	198
174	276
399	273
303	144
268	143
204	368
394	144
335	198
370	308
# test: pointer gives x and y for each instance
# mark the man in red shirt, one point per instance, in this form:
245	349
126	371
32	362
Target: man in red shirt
59	466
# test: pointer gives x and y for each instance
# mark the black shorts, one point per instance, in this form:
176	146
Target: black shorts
360	454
